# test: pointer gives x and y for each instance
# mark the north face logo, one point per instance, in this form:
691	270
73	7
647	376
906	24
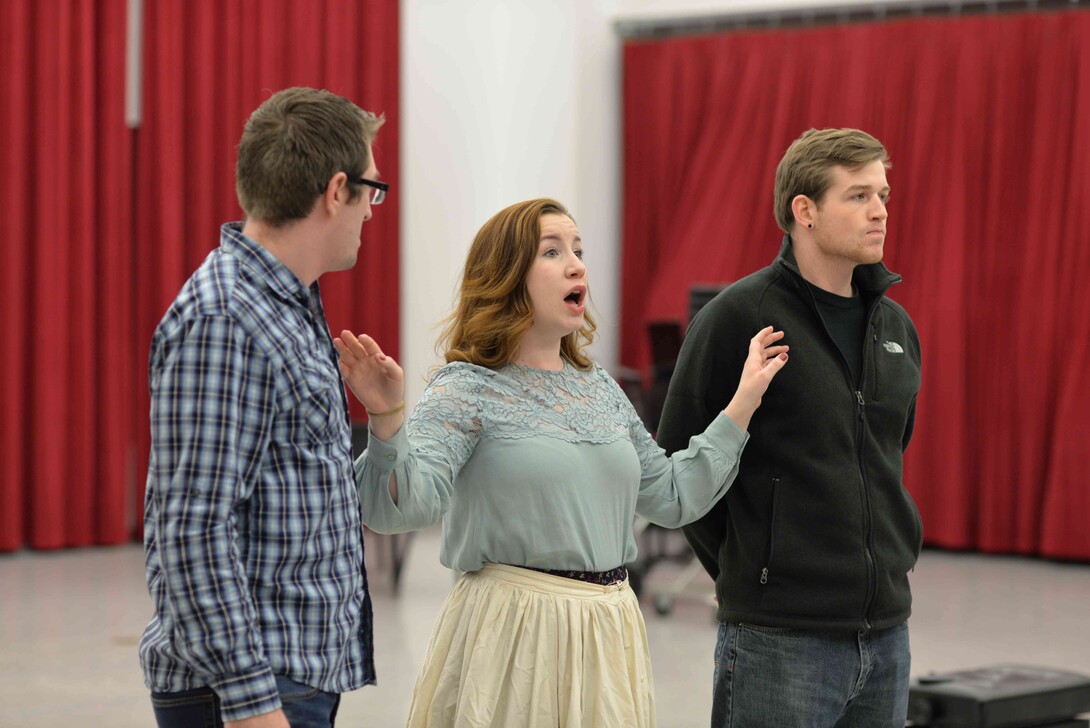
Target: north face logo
893	347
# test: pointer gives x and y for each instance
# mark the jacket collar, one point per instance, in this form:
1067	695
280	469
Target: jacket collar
871	280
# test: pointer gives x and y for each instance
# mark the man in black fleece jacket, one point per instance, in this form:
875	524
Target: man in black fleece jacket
811	547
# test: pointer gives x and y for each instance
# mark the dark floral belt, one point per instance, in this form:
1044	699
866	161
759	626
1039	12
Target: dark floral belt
604	578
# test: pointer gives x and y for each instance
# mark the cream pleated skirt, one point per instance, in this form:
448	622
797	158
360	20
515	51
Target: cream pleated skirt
516	648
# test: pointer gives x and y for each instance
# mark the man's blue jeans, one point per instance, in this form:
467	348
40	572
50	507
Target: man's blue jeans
304	707
769	677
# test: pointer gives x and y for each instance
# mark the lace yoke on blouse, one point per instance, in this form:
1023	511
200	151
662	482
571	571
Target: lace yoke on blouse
465	402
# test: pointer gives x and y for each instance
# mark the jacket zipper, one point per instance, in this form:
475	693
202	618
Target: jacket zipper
867	555
771	532
860	433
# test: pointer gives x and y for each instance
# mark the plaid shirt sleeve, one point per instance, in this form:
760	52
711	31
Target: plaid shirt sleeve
212	405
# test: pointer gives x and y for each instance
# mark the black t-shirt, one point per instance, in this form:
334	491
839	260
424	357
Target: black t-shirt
846	319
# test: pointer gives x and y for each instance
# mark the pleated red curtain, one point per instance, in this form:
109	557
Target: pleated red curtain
68	345
985	118
104	223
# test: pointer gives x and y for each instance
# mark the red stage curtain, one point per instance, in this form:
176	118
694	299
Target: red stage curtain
68	346
105	223
985	118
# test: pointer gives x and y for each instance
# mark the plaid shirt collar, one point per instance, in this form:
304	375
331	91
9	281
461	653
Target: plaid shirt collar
267	268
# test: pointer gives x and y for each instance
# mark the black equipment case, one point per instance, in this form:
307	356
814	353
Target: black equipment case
1002	696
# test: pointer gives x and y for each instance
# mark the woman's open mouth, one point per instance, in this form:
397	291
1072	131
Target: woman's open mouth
576	298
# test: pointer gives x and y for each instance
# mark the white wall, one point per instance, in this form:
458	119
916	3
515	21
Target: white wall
641	9
502	101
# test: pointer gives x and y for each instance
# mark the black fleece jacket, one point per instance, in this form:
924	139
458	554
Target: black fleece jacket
817	531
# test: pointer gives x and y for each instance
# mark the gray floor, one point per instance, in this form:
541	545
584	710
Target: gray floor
70	621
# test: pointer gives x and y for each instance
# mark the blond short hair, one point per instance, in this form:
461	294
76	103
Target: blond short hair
805	167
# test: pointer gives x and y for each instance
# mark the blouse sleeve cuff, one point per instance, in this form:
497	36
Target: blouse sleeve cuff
726	434
385	455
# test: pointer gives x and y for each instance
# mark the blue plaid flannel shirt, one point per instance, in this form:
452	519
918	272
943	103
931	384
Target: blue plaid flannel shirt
252	533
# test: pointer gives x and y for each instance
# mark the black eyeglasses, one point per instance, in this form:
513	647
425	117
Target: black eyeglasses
379	189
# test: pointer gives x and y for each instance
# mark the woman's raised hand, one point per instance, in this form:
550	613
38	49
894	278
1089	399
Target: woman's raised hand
374	378
764	361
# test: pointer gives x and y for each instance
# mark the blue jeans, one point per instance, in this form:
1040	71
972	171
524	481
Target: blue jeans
767	677
304	707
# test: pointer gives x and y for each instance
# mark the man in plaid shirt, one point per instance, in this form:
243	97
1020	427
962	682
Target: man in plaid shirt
253	540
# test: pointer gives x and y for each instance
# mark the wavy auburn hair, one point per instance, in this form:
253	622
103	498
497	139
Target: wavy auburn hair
494	309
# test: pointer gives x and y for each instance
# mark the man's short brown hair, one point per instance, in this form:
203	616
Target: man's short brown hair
293	144
805	167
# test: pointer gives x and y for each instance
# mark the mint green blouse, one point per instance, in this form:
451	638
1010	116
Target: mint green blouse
540	468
